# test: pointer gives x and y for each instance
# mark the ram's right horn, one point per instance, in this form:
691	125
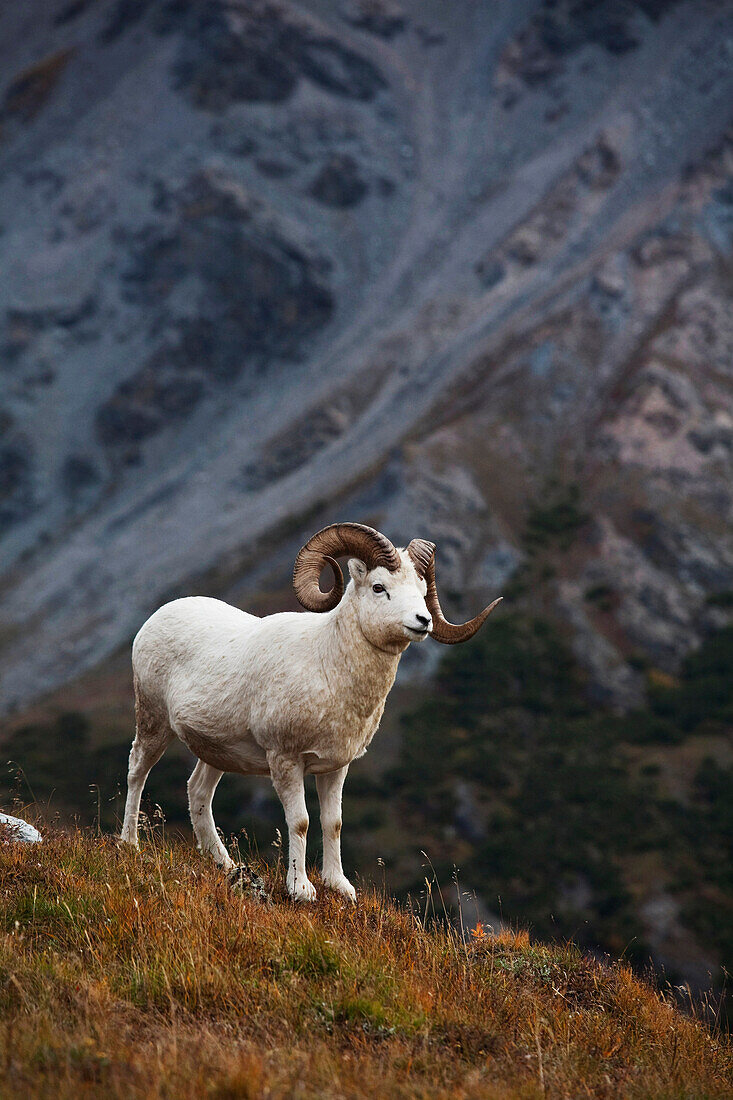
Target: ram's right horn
340	540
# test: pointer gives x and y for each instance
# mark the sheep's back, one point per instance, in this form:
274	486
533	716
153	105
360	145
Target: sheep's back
187	637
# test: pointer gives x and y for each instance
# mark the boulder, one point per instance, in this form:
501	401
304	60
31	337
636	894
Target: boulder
14	829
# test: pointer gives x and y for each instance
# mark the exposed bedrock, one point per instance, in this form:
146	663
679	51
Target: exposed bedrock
462	271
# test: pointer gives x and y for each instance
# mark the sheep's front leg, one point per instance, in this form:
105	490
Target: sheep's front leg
287	779
330	787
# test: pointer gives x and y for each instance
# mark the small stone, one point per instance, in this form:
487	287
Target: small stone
610	282
375	16
526	246
339	183
490	272
243	880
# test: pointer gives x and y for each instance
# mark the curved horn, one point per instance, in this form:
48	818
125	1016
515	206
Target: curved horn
338	540
421	555
443	631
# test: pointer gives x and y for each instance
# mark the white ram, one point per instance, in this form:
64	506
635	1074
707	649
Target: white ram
288	694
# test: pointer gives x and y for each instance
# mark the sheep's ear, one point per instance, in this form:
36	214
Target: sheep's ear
357	570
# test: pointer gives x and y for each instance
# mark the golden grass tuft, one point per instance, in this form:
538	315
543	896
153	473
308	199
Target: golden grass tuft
127	974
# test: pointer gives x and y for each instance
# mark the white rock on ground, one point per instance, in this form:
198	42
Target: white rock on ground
14	828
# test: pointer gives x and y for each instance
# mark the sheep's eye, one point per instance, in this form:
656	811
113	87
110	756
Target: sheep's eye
378	588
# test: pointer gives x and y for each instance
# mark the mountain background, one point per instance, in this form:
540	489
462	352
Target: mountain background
461	271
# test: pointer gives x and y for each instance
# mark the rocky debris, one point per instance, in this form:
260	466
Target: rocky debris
572	201
718	219
668	936
71	11
243	880
599	166
255	54
698	562
672	437
299	137
53	286
654	424
24	325
490	272
449	495
20	329
560	28
700	331
80	478
375	16
16	483
610	292
287	454
14	830
498	565
612	681
255	284
656	613
339	183
126	14
251	295
160	393
469	816
274	169
87	205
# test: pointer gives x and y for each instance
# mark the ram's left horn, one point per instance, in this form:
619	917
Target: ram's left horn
422	555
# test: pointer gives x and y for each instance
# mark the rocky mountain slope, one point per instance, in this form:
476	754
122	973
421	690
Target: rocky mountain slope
267	265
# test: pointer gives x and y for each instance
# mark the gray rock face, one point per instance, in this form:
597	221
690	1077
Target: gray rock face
256	298
268	266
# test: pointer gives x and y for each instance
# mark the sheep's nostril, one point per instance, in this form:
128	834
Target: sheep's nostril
422	619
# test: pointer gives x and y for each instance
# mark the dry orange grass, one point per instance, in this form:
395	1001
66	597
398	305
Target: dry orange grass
142	975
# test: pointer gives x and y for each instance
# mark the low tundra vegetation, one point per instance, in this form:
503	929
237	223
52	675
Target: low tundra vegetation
130	974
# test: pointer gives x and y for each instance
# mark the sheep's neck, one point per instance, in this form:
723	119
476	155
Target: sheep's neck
364	671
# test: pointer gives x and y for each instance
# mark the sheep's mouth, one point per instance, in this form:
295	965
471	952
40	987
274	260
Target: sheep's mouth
420	632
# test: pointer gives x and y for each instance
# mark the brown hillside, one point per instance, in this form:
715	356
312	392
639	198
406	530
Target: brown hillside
143	975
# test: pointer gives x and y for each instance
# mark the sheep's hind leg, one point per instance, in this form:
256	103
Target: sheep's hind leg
330	787
152	737
201	786
287	779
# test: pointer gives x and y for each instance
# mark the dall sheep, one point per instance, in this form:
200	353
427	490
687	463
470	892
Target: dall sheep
289	694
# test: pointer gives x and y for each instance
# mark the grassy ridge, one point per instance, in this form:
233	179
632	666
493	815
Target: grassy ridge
143	975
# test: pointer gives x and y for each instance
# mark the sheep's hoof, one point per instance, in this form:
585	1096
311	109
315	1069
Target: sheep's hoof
244	881
342	886
301	889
